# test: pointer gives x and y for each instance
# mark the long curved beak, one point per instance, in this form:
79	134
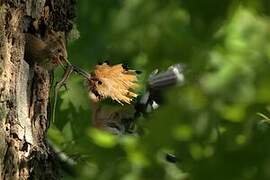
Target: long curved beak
81	72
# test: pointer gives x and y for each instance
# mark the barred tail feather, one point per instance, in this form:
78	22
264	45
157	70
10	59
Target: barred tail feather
156	83
173	76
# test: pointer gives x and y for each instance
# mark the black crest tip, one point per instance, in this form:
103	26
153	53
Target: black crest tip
138	72
125	66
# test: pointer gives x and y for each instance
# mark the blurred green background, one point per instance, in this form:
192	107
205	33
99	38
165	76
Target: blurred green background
216	124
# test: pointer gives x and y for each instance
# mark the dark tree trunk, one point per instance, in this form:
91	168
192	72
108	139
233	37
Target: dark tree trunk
24	92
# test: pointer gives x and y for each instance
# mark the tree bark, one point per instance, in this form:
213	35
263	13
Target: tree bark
24	91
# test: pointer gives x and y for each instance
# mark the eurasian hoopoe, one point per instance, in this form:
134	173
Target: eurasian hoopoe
118	83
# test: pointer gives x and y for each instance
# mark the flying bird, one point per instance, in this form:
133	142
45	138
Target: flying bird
118	82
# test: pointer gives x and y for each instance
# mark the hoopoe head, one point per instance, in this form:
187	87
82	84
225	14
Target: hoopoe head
56	45
113	81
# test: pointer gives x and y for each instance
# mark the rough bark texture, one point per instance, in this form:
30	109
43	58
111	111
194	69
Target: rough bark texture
24	90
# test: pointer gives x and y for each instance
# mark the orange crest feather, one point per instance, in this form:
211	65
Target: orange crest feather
116	82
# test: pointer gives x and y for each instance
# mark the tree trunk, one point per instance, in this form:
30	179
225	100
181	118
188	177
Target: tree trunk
24	91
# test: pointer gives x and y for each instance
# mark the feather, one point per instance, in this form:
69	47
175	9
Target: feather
116	82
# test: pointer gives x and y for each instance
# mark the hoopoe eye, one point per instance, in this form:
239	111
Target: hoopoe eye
59	50
99	82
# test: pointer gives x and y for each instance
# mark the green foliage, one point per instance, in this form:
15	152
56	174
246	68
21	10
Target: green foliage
211	123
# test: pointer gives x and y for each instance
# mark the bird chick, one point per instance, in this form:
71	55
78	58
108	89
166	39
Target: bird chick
48	52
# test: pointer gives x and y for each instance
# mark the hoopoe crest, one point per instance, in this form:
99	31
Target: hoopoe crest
116	82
